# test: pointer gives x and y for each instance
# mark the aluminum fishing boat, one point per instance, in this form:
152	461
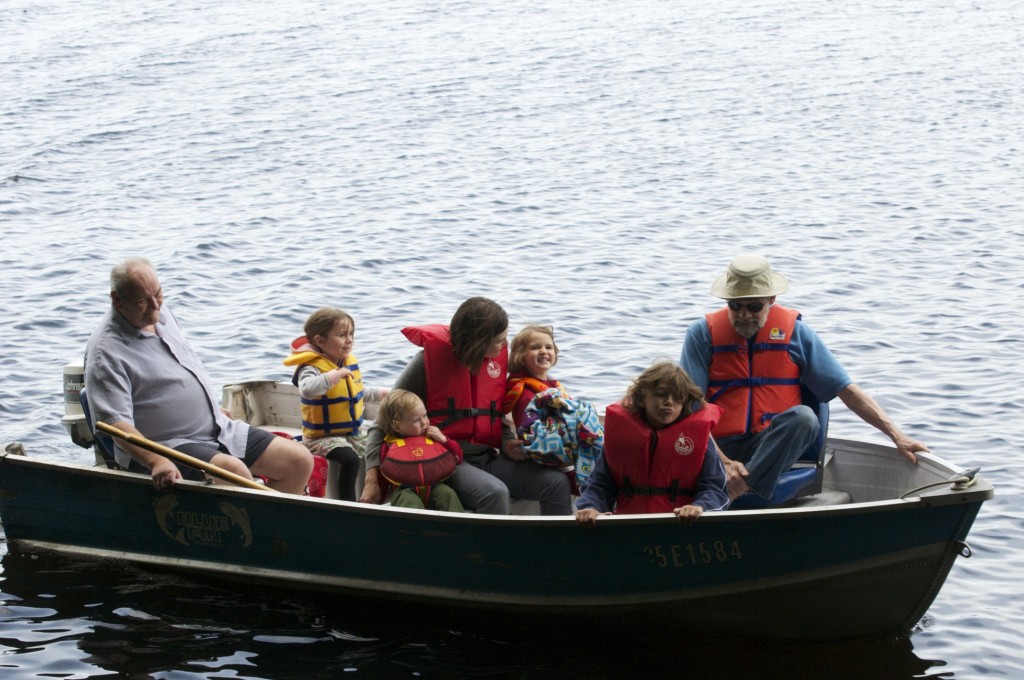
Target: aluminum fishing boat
865	557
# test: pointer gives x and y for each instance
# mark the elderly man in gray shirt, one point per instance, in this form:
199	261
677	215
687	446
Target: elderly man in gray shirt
143	378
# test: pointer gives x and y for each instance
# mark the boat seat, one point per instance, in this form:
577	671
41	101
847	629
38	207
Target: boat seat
824	498
333	473
102	442
806	475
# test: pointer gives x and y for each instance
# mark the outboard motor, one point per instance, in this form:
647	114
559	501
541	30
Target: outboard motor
73	419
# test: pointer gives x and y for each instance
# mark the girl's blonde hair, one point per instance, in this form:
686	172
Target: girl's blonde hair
393	408
322	322
521	343
671	377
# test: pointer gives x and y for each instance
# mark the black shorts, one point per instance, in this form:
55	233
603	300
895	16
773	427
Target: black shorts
256	443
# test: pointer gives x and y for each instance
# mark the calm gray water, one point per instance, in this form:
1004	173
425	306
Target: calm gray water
589	164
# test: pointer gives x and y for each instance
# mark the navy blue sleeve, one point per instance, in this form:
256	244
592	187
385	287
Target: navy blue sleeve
601	490
711	493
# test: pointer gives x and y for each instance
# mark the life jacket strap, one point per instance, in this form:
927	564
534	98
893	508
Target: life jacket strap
453	414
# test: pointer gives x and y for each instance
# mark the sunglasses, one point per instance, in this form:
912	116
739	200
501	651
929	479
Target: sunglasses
752	307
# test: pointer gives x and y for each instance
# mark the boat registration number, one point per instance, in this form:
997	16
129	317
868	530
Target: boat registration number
690	554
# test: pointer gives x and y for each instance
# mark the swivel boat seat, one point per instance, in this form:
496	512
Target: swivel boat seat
102	442
806	475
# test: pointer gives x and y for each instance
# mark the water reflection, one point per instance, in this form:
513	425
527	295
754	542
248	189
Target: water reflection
81	618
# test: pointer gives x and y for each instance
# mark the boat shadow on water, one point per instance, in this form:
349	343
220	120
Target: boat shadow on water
80	617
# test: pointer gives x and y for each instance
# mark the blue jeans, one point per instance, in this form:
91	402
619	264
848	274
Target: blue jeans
774	449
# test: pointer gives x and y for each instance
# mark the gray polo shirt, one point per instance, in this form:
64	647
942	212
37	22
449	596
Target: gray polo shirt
157	383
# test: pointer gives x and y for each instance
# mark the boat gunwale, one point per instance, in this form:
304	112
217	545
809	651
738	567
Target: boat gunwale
978	492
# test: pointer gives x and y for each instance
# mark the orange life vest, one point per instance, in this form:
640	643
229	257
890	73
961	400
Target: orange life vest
655	470
466	406
752	382
517	387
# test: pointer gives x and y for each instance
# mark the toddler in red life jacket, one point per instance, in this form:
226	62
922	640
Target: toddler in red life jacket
416	457
659	455
556	429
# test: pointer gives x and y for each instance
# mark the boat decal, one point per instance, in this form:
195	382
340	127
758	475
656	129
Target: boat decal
239	518
693	554
684	445
198	528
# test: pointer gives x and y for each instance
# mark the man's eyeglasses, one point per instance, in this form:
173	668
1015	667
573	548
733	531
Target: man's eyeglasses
752	307
156	298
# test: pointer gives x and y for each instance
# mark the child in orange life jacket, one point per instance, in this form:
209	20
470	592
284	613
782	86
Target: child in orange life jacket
416	457
659	455
332	393
556	429
531	355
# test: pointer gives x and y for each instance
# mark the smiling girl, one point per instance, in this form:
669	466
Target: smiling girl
532	354
556	430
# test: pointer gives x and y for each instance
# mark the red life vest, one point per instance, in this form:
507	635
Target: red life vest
466	406
752	387
417	461
317	484
655	470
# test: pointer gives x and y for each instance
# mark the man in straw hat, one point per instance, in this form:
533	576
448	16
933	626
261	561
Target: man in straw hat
144	378
751	358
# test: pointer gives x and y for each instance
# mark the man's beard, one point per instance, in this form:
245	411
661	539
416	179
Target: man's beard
747	329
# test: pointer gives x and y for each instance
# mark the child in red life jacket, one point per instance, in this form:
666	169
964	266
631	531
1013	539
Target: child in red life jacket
416	457
659	455
332	393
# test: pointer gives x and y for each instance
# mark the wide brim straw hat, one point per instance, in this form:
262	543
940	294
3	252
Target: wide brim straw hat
749	276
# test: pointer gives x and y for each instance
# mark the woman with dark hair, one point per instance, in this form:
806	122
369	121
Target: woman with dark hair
460	376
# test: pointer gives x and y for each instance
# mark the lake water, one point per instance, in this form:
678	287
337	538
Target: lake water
594	165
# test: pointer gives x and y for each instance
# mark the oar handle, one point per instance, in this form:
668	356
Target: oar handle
191	461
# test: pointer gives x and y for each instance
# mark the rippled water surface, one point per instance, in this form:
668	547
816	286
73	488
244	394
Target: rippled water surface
589	164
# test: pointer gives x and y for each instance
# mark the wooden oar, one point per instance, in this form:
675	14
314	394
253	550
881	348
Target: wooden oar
168	452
